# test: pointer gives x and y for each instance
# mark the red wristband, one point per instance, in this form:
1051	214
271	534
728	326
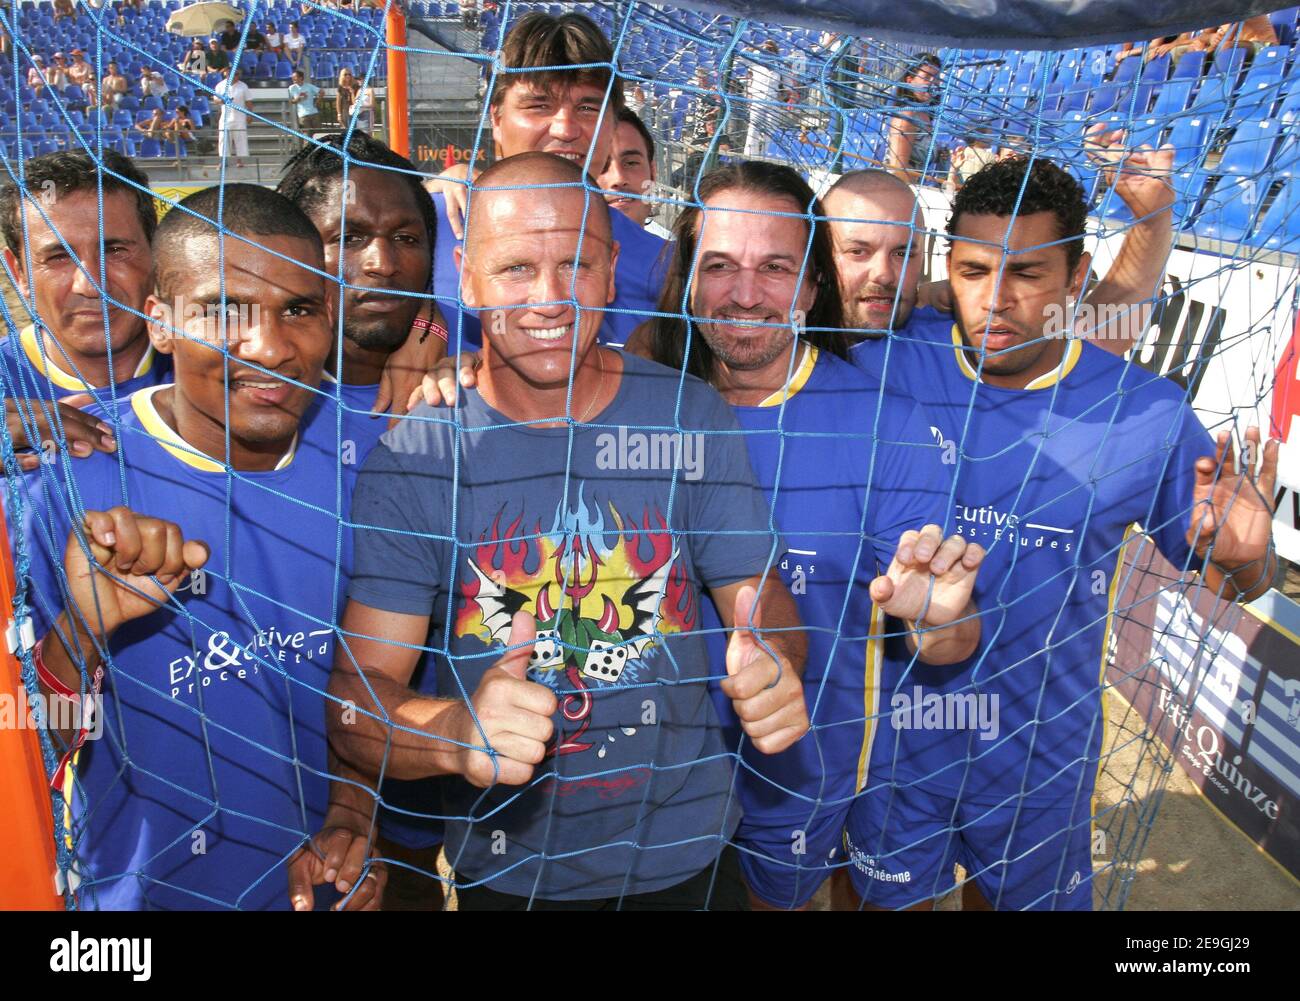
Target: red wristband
87	702
429	326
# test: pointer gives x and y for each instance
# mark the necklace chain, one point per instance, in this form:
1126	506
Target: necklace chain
600	356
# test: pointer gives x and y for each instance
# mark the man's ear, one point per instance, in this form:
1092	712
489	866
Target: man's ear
1080	275
613	270
466	286
17	270
162	324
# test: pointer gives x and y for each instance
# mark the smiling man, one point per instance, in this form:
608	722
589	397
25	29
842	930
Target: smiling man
570	113
53	224
559	578
211	770
1063	448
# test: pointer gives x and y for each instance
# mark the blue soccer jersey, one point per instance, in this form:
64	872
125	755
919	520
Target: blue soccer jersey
847	468
31	374
211	769
638	278
1049	480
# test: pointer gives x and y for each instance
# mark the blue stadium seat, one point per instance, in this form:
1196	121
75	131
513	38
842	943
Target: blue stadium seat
1284	24
1248	152
1229	211
1280	225
1174	97
151	103
1188	137
150	149
1229	63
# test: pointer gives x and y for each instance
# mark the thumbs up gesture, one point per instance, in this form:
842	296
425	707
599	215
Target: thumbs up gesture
514	716
766	692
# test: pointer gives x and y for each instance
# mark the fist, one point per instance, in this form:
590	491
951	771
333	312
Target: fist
138	563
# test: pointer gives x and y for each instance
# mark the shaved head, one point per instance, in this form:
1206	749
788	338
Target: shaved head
525	170
873	185
875	222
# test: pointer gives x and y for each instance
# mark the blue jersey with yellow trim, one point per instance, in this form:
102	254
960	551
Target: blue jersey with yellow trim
1049	480
211	767
29	374
847	468
638	277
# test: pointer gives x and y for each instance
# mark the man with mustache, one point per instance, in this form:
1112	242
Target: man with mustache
210	656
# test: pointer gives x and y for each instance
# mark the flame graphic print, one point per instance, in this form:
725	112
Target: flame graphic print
605	587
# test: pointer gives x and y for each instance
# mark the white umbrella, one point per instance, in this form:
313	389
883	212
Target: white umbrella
203	18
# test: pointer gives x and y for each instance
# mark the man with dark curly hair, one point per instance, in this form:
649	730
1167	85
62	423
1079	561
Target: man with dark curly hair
1059	448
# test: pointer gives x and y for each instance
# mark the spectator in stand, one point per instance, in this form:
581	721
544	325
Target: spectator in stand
113	87
365	109
256	41
763	85
181	128
1252	34
302	95
702	120
636	101
295	47
1128	51
57	75
154	126
230	38
274	40
1177	46
216	56
36	75
80	71
346	96
911	130
91	93
469	15
969	160
233	132
62	9
195	62
152	83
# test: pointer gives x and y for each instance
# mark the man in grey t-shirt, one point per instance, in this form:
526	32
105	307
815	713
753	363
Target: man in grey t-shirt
575	511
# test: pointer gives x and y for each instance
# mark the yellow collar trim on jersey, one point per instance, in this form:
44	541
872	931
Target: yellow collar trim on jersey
1044	381
802	372
143	405
66	380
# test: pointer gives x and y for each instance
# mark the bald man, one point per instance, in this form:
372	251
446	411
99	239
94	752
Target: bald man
552	540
